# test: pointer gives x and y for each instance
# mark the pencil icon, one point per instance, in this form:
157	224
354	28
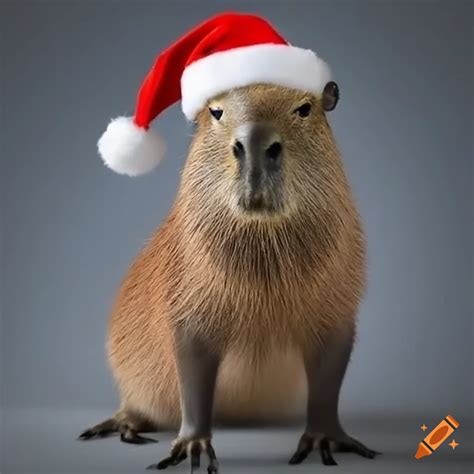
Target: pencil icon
437	437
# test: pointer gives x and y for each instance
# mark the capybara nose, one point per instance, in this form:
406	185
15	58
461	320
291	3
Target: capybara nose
238	150
273	152
258	146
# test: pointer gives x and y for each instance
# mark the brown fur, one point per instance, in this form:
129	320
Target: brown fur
263	287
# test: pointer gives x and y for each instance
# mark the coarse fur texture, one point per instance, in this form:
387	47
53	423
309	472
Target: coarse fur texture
263	287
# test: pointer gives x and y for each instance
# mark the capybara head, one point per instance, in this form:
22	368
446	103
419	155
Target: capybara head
264	151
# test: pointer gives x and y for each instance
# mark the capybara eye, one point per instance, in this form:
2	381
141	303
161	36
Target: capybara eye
216	113
304	110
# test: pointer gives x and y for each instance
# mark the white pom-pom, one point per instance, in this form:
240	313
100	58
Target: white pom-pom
129	149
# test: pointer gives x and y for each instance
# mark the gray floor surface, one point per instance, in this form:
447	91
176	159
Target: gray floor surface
45	441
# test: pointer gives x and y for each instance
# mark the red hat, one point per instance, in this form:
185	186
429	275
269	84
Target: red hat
227	51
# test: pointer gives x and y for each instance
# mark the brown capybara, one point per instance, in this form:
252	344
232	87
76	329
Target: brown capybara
242	307
249	289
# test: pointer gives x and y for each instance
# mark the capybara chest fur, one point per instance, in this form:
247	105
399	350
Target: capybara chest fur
261	257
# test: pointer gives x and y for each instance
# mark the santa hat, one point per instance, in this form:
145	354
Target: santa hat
227	51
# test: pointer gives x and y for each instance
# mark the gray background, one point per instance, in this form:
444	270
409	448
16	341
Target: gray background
70	227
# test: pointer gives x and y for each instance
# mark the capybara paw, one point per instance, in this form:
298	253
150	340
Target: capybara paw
192	448
343	443
112	426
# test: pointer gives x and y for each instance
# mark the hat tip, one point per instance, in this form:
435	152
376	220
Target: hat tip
129	149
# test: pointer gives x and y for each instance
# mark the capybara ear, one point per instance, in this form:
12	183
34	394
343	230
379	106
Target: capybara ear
330	96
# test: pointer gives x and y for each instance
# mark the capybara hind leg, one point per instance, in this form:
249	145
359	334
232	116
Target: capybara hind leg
101	430
131	425
126	424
